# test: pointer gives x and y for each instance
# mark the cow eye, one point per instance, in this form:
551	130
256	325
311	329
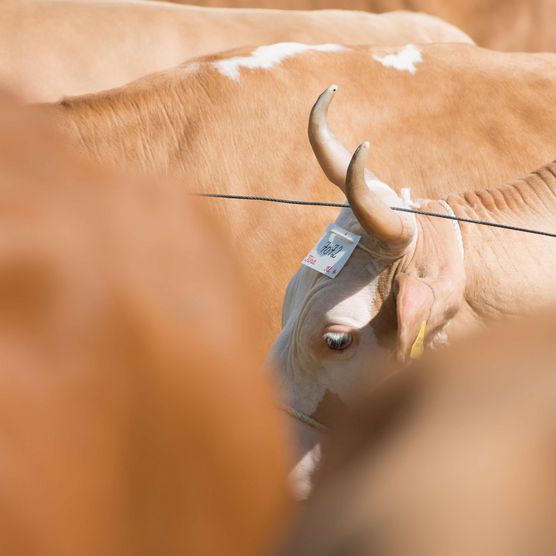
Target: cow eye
338	340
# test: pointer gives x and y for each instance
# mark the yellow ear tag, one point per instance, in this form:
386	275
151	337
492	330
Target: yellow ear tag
419	344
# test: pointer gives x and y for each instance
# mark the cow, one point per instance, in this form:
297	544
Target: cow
135	418
410	277
441	118
510	25
55	48
454	456
438	117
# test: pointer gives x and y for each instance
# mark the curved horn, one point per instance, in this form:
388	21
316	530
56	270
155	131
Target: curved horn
332	156
376	217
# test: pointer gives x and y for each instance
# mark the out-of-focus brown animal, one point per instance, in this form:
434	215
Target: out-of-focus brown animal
455	456
513	25
135	418
441	119
55	48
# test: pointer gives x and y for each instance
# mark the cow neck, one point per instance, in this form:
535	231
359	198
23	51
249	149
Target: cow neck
410	204
506	271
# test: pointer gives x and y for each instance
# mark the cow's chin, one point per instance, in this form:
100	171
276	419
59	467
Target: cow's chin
306	442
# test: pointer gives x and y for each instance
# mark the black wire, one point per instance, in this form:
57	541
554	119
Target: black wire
399	209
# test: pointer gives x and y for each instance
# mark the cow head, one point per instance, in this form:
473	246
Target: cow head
395	294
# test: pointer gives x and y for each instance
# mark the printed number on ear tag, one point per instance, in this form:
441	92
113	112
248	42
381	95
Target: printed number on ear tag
419	344
332	251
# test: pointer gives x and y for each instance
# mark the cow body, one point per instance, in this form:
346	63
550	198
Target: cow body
135	416
512	25
466	119
49	49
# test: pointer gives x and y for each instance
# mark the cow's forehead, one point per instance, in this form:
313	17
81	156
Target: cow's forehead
346	299
350	299
347	220
355	310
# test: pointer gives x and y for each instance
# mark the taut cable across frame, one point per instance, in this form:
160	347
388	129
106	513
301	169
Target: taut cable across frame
399	209
300	416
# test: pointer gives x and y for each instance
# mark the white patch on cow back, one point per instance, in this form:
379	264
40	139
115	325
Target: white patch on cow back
190	68
265	57
404	60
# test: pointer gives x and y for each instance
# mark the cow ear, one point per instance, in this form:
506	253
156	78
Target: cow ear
414	302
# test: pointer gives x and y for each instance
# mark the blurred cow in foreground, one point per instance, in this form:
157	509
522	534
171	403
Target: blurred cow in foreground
441	119
55	48
135	418
454	456
514	25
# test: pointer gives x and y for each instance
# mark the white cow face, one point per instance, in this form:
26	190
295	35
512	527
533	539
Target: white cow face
399	292
330	326
377	307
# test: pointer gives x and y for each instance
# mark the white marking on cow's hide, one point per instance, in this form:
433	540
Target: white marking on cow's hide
405	60
265	57
386	193
405	193
190	68
408	202
455	227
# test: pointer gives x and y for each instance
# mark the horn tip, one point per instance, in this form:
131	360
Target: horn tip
322	103
329	92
